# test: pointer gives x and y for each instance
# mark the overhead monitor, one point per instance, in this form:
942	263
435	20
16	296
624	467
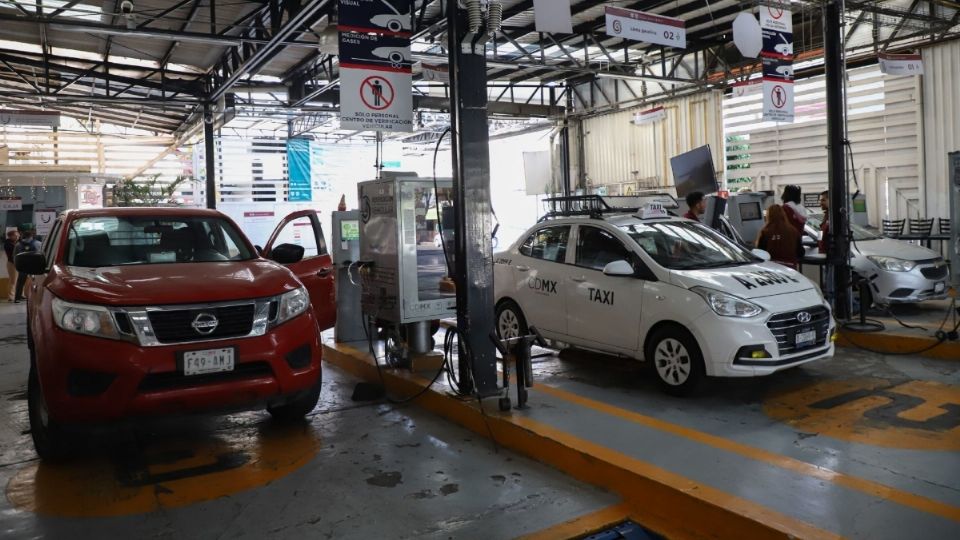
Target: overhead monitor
750	211
693	171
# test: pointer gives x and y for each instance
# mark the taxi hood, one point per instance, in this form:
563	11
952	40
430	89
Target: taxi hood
747	281
174	283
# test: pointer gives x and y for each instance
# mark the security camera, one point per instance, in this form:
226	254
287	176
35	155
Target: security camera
208	117
126	7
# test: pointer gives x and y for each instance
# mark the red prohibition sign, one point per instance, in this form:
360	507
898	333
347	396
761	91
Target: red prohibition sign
778	96
775	11
381	93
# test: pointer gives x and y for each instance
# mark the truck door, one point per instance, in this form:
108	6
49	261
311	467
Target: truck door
315	269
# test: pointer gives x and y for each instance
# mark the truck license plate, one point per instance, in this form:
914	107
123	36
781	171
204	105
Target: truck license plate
208	361
805	339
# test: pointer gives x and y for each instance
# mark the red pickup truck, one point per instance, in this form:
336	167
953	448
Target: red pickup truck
149	311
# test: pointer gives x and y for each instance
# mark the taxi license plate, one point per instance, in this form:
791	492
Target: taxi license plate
805	339
939	288
208	361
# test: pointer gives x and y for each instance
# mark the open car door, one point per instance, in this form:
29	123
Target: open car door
314	268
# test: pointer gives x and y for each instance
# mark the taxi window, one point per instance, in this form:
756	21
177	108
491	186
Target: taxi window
548	243
596	248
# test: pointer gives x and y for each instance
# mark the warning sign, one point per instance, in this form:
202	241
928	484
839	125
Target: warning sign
371	99
777	100
775	16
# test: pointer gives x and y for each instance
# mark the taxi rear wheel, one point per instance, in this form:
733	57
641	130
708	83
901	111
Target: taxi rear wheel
510	320
676	359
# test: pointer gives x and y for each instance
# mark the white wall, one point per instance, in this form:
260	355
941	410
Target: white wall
941	121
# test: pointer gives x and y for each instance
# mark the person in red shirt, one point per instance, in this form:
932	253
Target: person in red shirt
825	224
696	205
796	213
780	239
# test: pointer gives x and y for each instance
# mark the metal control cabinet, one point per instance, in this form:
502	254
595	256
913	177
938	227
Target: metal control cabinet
402	268
345	250
953	172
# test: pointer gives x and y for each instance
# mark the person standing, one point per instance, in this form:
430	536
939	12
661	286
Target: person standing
780	239
9	245
28	244
825	224
796	213
696	205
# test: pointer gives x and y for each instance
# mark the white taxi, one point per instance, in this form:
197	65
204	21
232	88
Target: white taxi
665	289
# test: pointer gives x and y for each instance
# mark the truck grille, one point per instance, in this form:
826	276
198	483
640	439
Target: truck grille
785	327
176	326
934	272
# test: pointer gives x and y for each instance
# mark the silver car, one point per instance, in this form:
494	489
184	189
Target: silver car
898	271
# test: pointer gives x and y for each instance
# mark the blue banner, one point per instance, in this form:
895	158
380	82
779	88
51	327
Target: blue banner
299	170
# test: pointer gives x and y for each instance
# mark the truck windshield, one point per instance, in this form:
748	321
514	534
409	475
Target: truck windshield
681	245
128	240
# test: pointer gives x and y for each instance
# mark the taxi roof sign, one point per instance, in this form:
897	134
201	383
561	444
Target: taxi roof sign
654	210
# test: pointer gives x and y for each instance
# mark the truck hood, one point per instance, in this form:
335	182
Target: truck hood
888	247
157	284
747	281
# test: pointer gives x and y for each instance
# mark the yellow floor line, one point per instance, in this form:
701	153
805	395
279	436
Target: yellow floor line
659	499
581	525
869	487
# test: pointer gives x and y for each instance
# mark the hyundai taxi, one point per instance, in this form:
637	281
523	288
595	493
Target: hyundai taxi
661	288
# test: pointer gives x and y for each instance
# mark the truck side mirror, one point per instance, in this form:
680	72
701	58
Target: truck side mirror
287	253
32	263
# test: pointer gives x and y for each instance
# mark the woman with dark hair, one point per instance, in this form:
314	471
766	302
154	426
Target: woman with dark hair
796	213
780	239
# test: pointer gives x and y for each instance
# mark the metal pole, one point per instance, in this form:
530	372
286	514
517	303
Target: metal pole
473	252
211	158
838	238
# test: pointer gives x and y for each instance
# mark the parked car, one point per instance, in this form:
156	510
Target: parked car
897	271
663	289
152	311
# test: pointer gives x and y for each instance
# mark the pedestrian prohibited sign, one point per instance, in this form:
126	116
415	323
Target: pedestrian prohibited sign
375	100
376	92
777	100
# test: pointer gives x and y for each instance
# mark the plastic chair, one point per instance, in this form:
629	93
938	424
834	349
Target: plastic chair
892	227
922	227
944	224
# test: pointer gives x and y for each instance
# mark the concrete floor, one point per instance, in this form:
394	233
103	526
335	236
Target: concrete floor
353	471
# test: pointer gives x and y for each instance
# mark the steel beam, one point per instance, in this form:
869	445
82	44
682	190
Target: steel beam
473	250
210	156
838	237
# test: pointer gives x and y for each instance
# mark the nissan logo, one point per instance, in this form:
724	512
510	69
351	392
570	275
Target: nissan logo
804	317
205	323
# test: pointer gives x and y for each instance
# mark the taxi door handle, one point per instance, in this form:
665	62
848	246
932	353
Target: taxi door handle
325	271
523	268
580	279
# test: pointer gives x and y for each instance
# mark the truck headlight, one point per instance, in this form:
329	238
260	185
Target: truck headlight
892	264
84	319
728	305
292	303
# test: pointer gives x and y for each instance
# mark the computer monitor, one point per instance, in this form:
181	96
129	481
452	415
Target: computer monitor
750	211
693	171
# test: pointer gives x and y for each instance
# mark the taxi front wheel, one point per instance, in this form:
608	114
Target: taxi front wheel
676	359
48	438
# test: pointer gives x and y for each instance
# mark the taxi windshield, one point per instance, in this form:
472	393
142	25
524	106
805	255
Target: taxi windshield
682	245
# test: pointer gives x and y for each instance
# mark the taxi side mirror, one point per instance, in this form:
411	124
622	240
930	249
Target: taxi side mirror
31	263
761	254
618	268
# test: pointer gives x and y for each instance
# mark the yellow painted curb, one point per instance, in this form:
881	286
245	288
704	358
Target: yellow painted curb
896	343
659	499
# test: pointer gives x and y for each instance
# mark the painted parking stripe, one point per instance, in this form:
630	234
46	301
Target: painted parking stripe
869	487
581	525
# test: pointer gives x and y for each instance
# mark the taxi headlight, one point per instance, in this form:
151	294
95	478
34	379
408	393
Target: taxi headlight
293	303
728	305
892	264
84	319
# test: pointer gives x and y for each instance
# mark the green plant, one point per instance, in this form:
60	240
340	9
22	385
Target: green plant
147	192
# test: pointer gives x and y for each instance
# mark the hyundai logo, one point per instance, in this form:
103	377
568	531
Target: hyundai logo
205	323
804	317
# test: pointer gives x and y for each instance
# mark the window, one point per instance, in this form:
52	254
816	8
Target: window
549	244
302	231
596	248
682	245
129	240
50	244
